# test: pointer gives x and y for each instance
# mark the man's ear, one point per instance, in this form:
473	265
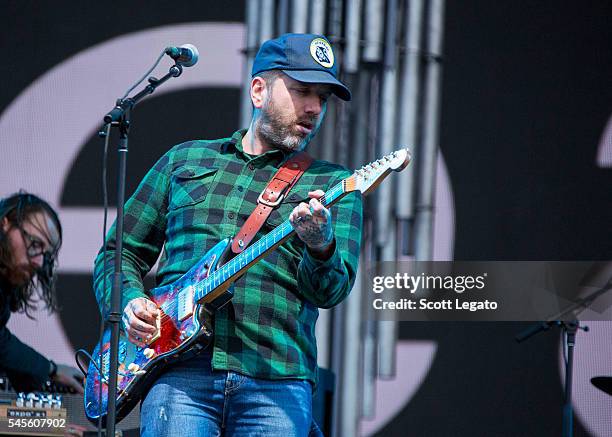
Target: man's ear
259	90
5	224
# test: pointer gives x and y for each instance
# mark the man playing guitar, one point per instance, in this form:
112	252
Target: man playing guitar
257	375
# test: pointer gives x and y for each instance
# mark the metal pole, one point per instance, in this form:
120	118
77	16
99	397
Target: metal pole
385	222
337	340
370	326
373	30
353	30
282	16
429	153
387	329
369	346
114	316
299	16
323	143
252	19
330	134
335	24
388	104
348	423
317	16
362	123
323	330
350	66
350	394
409	92
266	20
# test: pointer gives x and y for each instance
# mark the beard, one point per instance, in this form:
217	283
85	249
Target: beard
19	275
282	134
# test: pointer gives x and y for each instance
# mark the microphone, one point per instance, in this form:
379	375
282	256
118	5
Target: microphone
186	55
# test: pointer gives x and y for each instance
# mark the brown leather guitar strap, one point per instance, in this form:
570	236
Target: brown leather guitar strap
274	193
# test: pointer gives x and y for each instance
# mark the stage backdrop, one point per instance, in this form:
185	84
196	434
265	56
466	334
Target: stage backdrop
525	132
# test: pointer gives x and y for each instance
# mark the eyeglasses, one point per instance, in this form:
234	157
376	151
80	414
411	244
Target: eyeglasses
35	246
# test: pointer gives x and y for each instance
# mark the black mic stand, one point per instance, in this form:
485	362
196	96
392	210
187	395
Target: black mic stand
569	328
120	117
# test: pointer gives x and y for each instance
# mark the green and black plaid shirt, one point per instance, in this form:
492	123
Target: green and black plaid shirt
203	191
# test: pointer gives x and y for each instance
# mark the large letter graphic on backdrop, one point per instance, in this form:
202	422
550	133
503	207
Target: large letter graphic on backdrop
593	353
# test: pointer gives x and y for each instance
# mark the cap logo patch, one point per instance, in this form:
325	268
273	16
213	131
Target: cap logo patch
322	52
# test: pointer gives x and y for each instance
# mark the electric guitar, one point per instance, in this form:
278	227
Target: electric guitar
187	305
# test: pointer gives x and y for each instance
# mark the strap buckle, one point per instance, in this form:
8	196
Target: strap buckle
273	203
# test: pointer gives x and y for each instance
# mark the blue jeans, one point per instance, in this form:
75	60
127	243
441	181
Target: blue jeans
192	399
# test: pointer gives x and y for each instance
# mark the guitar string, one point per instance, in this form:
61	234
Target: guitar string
282	229
248	256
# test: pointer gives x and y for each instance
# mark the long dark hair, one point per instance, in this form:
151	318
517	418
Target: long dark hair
17	208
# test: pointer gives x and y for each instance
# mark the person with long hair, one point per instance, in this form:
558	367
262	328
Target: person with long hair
30	239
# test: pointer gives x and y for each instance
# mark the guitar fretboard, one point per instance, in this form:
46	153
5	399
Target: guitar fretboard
258	250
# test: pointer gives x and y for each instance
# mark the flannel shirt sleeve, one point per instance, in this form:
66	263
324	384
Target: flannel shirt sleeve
144	234
327	283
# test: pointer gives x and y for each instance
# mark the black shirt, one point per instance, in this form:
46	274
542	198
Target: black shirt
16	356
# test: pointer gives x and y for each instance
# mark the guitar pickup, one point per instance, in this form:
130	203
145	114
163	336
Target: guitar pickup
185	303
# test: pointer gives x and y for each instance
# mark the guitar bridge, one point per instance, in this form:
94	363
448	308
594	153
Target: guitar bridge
185	303
158	332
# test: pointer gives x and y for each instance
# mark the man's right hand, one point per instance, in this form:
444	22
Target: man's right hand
140	320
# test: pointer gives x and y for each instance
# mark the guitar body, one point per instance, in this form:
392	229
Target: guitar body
182	332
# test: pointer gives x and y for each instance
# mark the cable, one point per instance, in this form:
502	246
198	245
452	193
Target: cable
145	75
91	360
104	226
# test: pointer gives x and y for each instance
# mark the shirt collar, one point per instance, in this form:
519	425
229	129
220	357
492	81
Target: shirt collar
234	145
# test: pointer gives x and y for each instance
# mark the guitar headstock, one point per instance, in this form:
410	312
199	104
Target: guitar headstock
370	175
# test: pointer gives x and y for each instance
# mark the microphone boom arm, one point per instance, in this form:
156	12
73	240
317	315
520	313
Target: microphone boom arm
123	105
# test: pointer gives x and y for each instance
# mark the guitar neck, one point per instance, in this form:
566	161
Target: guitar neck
244	260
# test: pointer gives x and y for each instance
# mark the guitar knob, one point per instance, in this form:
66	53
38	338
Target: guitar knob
133	367
149	353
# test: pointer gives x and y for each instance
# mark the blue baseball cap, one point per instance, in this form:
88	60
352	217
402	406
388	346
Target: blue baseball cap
304	57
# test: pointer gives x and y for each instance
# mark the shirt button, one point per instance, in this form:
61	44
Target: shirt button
239	188
251	167
230	215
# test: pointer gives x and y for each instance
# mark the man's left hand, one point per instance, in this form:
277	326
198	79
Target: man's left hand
313	225
69	376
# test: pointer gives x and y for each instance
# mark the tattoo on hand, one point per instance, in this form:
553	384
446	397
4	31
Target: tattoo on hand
315	233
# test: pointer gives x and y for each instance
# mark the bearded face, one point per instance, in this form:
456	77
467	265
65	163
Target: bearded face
285	120
27	244
19	275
